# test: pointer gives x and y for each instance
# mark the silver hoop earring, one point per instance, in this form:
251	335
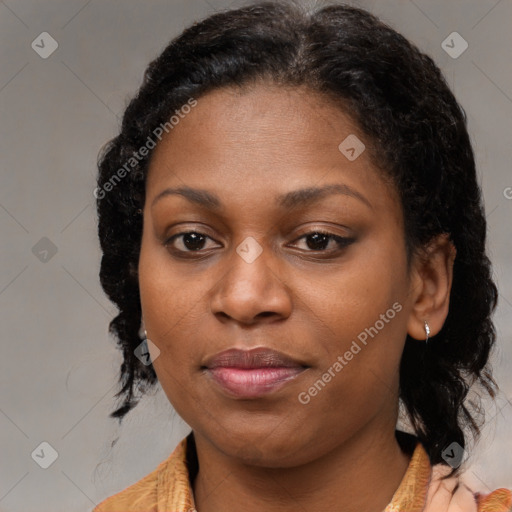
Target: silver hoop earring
427	331
142	328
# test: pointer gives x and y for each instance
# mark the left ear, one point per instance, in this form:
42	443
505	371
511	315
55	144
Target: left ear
432	276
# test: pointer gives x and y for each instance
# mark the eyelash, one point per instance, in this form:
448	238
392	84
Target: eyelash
342	242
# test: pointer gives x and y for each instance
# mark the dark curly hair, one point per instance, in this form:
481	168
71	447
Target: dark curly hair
419	140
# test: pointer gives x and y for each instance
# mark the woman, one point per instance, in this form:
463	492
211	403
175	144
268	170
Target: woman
291	216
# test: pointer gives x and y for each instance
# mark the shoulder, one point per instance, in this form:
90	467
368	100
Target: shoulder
144	494
499	500
454	493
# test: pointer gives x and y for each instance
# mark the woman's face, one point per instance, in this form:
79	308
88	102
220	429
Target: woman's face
252	273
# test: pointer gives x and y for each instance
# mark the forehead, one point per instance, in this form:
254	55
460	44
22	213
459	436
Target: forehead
265	139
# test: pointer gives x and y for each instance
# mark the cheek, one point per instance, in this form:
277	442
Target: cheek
363	321
167	296
166	306
354	298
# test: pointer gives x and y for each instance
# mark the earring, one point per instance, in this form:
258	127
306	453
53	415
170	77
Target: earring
427	331
142	328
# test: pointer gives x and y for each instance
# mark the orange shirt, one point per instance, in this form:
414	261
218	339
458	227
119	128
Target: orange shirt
168	489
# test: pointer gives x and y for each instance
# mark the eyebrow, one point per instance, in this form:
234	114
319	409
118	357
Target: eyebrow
294	199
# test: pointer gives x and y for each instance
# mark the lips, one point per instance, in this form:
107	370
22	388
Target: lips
252	373
251	359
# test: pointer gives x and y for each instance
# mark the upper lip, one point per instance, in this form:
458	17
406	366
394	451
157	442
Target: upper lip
260	357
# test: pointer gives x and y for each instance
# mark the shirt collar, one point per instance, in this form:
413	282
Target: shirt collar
175	489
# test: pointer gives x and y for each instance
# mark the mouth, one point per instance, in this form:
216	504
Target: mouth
250	374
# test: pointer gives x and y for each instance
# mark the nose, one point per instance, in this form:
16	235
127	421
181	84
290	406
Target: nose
251	290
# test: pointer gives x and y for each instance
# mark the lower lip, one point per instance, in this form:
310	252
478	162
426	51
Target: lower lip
252	382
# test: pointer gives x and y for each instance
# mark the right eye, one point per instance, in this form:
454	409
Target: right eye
189	241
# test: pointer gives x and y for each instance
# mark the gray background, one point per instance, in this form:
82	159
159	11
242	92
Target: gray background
59	366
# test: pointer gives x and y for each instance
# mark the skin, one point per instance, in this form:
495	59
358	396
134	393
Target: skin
274	453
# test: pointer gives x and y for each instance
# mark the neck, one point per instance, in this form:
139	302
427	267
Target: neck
362	473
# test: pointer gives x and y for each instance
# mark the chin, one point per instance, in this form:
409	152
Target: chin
280	452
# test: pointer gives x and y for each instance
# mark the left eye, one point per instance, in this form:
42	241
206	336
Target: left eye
319	240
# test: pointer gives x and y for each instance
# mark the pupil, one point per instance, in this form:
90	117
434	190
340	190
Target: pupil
320	241
193	241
